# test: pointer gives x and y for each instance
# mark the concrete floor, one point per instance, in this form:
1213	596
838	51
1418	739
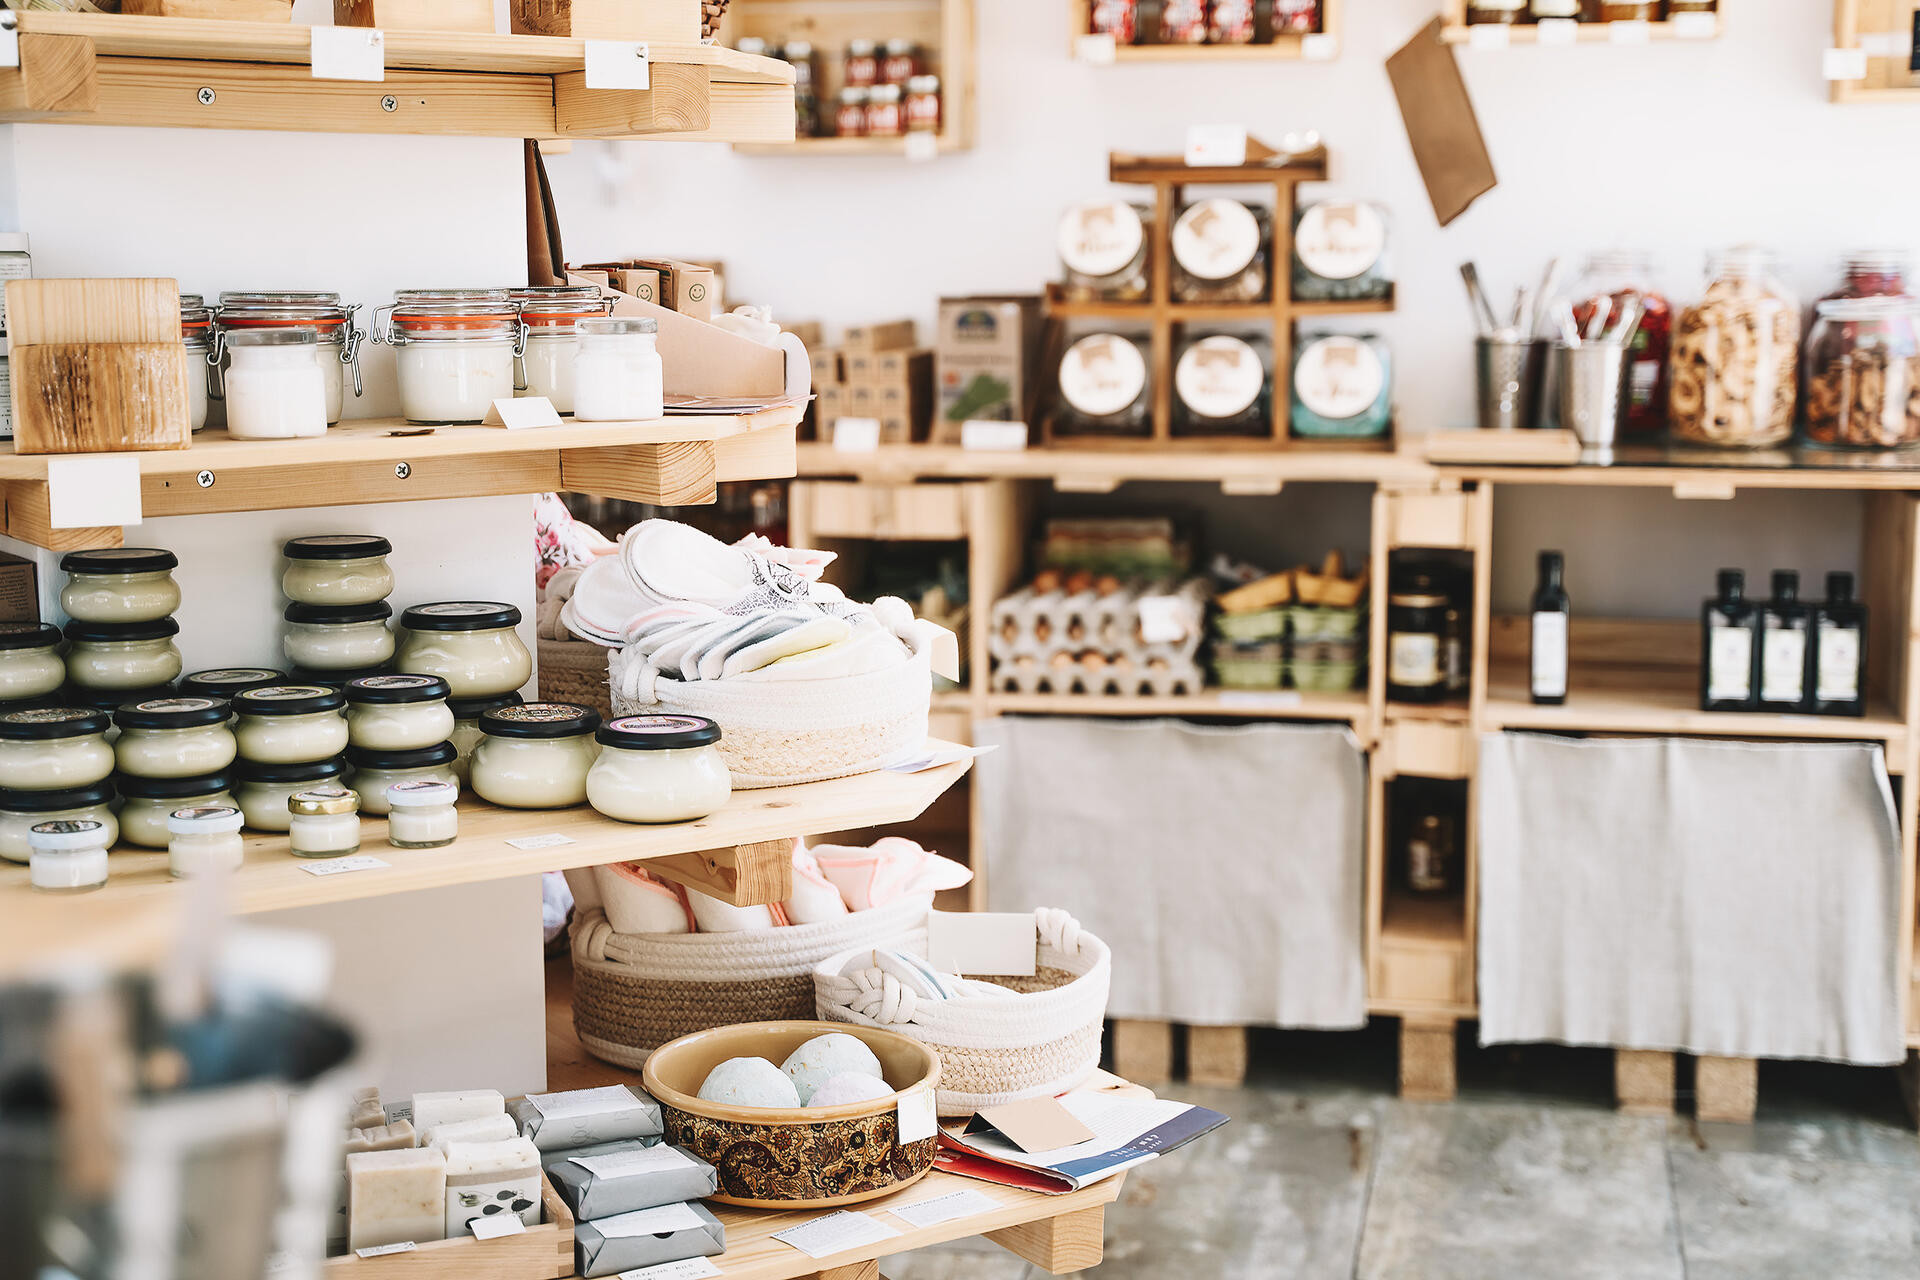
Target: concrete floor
1323	1174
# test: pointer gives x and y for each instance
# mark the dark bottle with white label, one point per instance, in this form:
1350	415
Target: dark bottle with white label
1784	627
1547	651
1840	651
1729	647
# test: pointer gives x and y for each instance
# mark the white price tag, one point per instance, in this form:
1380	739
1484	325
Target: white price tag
382	1250
9	39
1844	64
1638	31
617	64
1216	146
685	1269
1557	31
1260	699
856	435
1319	46
87	493
835	1233
1488	35
1875	44
551	840
341	866
990	435
500	1224
1700	26
922	146
1096	49
983	944
915	1120
347	53
964	1203
517	412
1163	619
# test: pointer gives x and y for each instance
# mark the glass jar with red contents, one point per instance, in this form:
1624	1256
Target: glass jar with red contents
1295	17
861	67
884	117
902	63
1610	279
1117	18
1230	22
923	104
850	121
1873	273
1183	22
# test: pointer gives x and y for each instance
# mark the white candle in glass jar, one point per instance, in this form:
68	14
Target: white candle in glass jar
263	790
49	748
69	854
618	376
174	738
30	662
535	756
323	822
146	803
398	712
664	768
471	644
274	385
290	723
375	771
21	810
119	584
421	813
204	840
122	655
337	569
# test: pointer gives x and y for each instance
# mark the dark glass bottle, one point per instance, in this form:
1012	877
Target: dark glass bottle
1729	647
1784	627
1840	651
1547	648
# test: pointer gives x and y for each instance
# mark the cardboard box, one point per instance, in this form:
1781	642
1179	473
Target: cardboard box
863	401
19	596
685	287
896	429
888	335
829	406
808	331
827	366
642	282
902	366
987	361
858	367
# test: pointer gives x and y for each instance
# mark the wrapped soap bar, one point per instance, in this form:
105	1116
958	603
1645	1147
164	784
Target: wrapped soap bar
485	1179
669	1233
582	1117
431	1110
623	1177
495	1128
397	1136
365	1111
395	1196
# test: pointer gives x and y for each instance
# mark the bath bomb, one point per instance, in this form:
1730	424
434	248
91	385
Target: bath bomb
823	1057
838	1091
749	1082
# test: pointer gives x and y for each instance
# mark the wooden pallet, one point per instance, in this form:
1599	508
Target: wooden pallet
1142	1051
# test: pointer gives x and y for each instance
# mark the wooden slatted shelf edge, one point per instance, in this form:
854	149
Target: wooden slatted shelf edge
1584	33
1261	704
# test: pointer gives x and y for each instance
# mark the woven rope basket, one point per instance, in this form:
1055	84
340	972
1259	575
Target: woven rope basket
634	992
993	1049
575	671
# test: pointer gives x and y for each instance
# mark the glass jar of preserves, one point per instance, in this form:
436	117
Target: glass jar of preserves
471	644
850	120
922	104
860	69
1105	248
1220	252
148	802
552	345
902	62
1863	373
808	120
535	756
398	713
375	771
122	655
69	855
290	723
1692	6
173	738
1104	388
658	769
1222	387
1416	613
1611	279
1230	22
323	822
21	811
119	584
885	119
337	569
1873	273
346	637
1295	17
51	748
263	790
196	335
456	350
1735	357
1117	18
619	377
1183	22
1550	9
273	387
30	665
1342	385
466	726
204	840
1340	252
336	344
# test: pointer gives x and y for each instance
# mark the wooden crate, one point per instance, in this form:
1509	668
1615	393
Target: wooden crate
1284	47
889	512
1458	31
538	1253
1888	78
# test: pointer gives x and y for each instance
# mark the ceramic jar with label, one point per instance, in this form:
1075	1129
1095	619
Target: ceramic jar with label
552	317
53	748
337	569
204	840
1220	252
1222	387
1340	252
658	769
618	377
69	855
471	644
398	712
336	347
348	637
455	351
263	790
1106	248
375	771
119	584
290	723
535	756
122	655
174	738
21	811
1342	387
1104	388
30	663
147	803
421	813
466	726
196	335
227	682
274	389
323	822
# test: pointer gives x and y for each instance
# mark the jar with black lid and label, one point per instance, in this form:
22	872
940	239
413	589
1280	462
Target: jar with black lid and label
1416	623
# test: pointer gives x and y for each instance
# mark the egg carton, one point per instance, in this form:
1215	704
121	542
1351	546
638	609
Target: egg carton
1027	624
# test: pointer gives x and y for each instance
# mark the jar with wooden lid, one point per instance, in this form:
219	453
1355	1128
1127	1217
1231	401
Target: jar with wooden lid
552	318
1105	246
1735	356
885	119
456	351
196	335
1104	388
1340	252
336	340
1222	386
1342	385
850	118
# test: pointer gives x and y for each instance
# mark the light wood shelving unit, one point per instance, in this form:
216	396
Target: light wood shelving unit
1282	48
1459	31
1884	30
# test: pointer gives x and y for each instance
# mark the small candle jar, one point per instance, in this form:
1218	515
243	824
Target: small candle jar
119	584
174	738
337	637
21	810
375	771
455	351
618	375
471	644
122	655
290	723
421	814
274	387
69	854
30	664
336	340
204	840
466	726
229	682
535	756
53	747
658	769
263	790
146	803
323	822
398	713
337	569
553	316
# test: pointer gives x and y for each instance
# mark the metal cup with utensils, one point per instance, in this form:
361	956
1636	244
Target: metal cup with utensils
1592	381
1509	373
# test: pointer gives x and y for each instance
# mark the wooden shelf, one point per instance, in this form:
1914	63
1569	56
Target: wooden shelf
1143	311
1586	33
115	69
134	914
1276	704
892	148
671	461
1409	921
1283	48
1088	464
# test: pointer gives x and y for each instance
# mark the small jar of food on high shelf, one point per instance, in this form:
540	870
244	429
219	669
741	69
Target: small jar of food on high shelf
1230	21
901	61
1223	386
1342	386
1105	246
1500	12
1117	18
1735	356
850	120
1220	252
1873	273
1340	252
1863	373
885	117
922	104
860	67
1612	279
1183	21
1104	388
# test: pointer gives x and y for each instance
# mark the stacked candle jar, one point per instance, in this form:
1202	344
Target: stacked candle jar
477	659
55	763
120	601
337	586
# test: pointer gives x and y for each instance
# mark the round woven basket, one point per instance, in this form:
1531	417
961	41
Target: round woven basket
711	11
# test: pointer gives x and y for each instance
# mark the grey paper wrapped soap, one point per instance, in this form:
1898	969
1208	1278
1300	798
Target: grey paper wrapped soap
647	1238
583	1117
624	1177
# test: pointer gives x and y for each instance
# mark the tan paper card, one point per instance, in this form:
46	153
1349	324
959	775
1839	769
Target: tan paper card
1038	1124
1441	125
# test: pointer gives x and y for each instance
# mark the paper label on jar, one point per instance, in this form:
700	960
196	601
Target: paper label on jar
1413	659
1100	239
1837	664
1215	239
1549	655
1338	240
1338	377
1219	377
1783	657
1102	374
1729	664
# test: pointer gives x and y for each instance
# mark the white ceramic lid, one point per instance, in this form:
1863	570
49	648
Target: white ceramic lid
1216	238
1338	377
1102	374
1340	239
422	793
1219	377
1101	238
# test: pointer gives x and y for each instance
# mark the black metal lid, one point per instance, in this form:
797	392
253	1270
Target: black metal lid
474	708
54	801
73	695
337	546
225	682
48	723
460	615
158	629
203	784
28	635
172	713
288	700
337	679
396	688
540	720
314	771
339	614
119	560
657	733
419	758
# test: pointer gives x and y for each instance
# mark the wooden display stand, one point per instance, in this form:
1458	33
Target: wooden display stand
1280	48
1459	31
1888	77
1166	320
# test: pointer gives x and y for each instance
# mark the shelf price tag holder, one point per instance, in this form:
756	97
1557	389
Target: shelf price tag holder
9	39
89	493
1488	35
348	53
1694	26
856	435
1557	31
1319	46
617	64
1096	49
991	435
922	146
516	413
1632	31
1216	146
1843	64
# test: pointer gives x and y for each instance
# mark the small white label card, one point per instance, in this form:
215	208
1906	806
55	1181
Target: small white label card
934	753
86	493
1163	619
990	435
551	840
1488	35
1096	48
835	1233
1697	26
584	1102
1216	146
685	1269
348	53
964	1203
9	40
341	866
382	1250
1843	64
623	1163
1557	30
1875	44
983	944
1319	46
922	145
914	1119
1260	699
617	64
515	412
500	1224
1637	31
856	435
663	1221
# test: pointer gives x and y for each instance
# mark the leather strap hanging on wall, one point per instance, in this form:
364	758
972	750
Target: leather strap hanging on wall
546	260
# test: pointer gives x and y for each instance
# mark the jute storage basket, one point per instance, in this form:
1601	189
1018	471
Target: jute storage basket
575	671
993	1049
635	992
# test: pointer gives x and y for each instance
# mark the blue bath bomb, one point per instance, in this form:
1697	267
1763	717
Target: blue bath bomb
749	1082
838	1091
823	1057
